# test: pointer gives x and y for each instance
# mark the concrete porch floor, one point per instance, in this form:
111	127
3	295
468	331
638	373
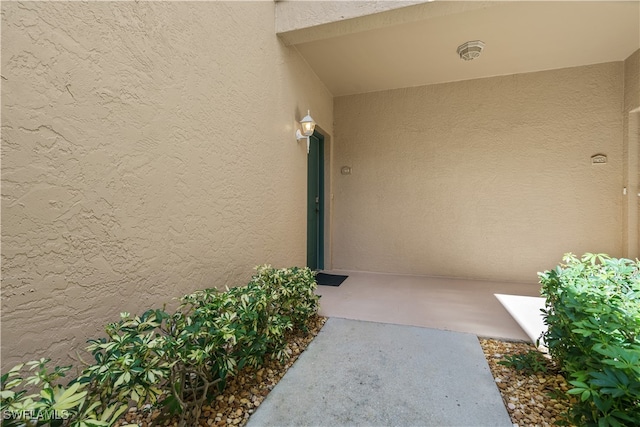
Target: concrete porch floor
441	303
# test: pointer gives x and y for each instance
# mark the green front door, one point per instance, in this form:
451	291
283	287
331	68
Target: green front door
315	203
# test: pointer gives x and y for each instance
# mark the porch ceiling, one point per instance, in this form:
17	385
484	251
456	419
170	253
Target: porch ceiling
520	37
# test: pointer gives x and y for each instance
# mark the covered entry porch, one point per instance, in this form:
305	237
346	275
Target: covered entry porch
459	305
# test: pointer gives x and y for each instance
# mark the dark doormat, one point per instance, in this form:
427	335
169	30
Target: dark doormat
330	279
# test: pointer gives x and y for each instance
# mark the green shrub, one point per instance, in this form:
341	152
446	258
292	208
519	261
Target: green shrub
292	292
176	362
593	318
55	404
131	362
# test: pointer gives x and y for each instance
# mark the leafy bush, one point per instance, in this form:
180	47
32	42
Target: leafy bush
175	361
292	292
129	363
55	405
593	318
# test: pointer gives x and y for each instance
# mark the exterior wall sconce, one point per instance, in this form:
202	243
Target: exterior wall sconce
308	125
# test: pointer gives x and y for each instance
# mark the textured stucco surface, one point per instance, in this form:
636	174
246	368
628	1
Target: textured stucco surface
148	150
303	21
488	178
631	150
632	82
295	15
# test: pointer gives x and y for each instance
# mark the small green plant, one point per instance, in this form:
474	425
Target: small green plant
531	362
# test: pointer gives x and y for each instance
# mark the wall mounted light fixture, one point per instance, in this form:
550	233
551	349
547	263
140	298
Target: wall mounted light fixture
308	125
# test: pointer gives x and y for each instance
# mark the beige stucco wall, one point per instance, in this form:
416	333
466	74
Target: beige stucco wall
631	150
297	14
148	150
302	21
488	178
632	82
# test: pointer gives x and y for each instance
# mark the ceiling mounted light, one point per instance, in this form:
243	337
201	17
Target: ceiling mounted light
308	126
470	50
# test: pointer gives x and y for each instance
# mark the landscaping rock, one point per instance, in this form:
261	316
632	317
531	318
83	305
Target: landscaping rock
532	400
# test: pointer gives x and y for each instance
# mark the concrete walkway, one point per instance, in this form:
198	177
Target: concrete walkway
358	373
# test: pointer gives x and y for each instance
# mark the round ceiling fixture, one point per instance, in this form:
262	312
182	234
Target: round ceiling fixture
470	50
